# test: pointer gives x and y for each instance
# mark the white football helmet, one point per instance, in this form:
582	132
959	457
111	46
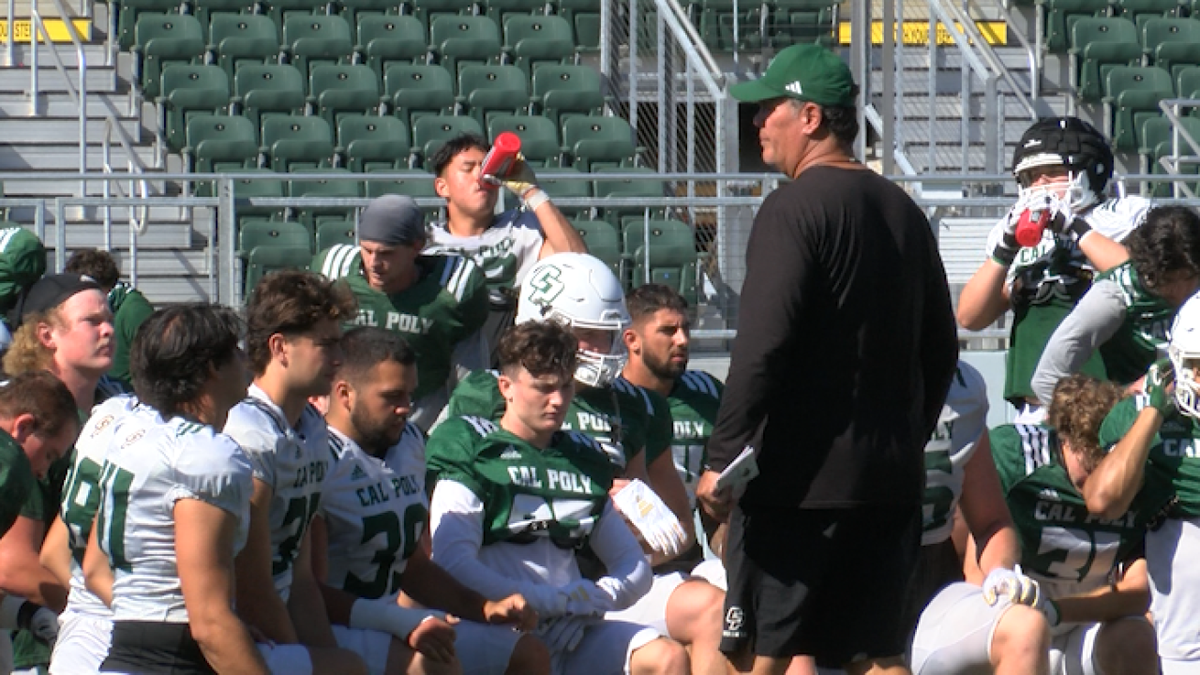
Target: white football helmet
579	291
1184	350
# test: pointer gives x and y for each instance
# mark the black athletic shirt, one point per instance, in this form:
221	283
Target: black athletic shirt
845	349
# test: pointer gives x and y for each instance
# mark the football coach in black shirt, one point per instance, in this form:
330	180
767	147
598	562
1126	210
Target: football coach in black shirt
846	346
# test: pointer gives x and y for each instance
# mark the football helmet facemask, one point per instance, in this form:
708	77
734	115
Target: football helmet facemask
1066	142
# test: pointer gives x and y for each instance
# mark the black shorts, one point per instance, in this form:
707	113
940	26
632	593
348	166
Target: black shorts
827	583
154	647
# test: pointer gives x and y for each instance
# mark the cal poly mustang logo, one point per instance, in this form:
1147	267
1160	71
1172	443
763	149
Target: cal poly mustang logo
547	286
735	623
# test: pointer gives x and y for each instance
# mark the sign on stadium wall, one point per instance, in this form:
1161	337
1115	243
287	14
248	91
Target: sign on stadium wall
916	32
56	28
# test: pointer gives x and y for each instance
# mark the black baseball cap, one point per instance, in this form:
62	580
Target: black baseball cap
49	292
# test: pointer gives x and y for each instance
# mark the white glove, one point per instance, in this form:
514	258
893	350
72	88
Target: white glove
585	598
385	616
1065	221
656	523
1013	585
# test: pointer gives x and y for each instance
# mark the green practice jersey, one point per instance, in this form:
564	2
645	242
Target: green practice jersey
1175	449
17	481
1068	550
625	419
1136	344
447	304
694	399
559	492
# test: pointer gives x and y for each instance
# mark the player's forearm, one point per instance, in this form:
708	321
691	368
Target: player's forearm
1129	597
629	575
561	237
426	582
1102	252
1090	324
265	610
984	298
56	552
999	548
306	608
225	641
1111	488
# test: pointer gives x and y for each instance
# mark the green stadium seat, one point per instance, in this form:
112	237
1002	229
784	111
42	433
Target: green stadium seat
258	233
584	17
500	10
539	137
262	260
419	186
1133	93
316	38
373	143
1173	44
216	142
429	133
1061	16
127	13
429	11
717	26
205	10
632	188
313	216
418	91
598	142
1187	84
1098	45
791	22
487	91
602	241
297	143
336	232
243	37
264	90
384	39
1158	142
341	90
567	188
188	90
267	185
531	41
560	92
463	40
354	11
670	258
164	40
281	10
1141	11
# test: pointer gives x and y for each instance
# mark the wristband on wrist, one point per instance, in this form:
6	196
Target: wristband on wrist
535	198
385	616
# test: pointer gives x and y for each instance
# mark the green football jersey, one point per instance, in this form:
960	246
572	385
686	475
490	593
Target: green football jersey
17	481
624	419
447	304
1175	449
559	492
1136	344
1068	550
694	399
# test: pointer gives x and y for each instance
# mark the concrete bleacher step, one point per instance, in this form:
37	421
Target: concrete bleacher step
50	80
961	242
94	55
98	104
66	157
160	235
44	130
169	289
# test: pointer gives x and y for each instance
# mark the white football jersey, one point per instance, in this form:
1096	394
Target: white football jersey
506	251
292	462
1114	218
151	465
375	511
81	493
962	420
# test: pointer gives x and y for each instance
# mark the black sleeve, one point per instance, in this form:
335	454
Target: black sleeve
779	263
939	339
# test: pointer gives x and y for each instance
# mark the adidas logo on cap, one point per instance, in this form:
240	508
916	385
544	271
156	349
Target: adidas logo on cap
795	88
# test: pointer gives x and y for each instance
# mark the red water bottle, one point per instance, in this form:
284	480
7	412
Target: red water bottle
500	160
1030	226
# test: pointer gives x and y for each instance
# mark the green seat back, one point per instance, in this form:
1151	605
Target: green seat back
243	37
296	142
593	140
218	141
459	40
187	90
417	91
164	40
602	241
316	38
374	143
561	91
268	89
340	89
256	233
539	137
429	133
486	90
263	260
386	39
1134	93
336	232
534	40
1101	44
